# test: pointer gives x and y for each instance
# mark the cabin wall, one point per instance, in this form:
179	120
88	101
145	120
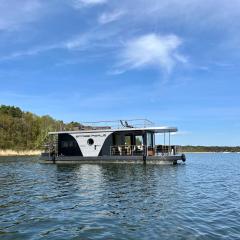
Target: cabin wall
91	143
119	138
68	146
95	144
105	151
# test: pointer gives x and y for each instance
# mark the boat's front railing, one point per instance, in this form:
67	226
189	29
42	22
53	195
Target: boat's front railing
143	150
167	150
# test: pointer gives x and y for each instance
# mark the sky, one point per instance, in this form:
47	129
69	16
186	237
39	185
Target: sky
174	62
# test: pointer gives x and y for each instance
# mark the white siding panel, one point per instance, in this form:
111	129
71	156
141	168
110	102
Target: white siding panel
94	149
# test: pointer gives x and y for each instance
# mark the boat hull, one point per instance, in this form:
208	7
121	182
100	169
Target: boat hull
114	159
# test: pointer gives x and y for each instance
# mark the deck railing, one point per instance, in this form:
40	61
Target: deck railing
128	150
167	150
143	150
118	124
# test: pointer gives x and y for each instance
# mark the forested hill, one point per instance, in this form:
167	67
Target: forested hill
21	130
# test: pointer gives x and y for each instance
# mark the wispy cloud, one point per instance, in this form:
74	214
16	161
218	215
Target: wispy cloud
151	50
81	42
85	3
15	13
108	17
77	42
97	38
31	52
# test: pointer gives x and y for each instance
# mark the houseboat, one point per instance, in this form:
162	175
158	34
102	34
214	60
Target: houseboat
122	141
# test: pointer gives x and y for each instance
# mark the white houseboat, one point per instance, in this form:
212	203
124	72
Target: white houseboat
122	141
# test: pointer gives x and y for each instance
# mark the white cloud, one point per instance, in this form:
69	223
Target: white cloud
84	3
110	17
152	50
77	42
95	38
15	13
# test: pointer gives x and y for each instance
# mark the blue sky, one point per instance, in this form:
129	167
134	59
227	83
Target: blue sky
174	62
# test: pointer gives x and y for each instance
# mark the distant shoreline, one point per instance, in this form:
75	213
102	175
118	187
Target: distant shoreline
209	152
8	152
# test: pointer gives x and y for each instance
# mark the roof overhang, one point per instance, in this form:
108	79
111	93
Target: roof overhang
151	129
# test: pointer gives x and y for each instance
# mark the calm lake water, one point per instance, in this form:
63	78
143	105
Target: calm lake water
197	200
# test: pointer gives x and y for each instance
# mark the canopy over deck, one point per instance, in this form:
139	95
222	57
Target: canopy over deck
151	129
119	126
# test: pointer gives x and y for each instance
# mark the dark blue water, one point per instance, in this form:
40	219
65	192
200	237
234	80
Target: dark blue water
198	200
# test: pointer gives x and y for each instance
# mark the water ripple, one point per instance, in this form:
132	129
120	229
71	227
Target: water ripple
197	200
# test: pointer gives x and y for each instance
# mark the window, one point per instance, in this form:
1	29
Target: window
90	141
149	139
128	140
138	140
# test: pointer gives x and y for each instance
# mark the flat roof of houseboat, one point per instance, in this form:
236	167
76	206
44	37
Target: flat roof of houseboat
152	129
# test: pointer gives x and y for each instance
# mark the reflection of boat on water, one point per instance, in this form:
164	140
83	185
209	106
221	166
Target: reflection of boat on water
131	141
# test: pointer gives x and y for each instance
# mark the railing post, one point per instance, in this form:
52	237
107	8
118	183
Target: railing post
169	144
144	154
164	143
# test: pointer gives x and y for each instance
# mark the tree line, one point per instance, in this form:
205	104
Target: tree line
21	130
210	149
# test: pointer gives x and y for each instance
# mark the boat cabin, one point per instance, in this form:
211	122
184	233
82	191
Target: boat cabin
125	139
